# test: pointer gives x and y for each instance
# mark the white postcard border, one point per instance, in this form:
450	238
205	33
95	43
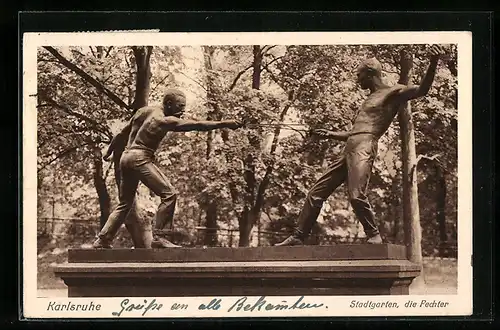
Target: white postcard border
459	304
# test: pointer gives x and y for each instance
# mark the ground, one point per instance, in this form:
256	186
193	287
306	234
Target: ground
440	275
54	251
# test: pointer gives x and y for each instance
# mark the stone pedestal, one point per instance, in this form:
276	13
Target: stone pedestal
304	270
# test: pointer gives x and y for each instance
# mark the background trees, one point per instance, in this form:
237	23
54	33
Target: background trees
253	179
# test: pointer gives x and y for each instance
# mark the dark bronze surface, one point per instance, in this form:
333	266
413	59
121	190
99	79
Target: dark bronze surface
301	270
270	253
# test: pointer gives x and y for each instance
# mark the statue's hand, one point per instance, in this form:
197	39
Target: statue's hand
107	157
234	124
437	51
322	133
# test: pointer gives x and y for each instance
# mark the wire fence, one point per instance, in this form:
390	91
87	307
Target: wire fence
198	236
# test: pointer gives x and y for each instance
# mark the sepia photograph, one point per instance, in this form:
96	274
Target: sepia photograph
250	171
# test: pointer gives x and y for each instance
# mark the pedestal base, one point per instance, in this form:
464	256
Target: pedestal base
305	270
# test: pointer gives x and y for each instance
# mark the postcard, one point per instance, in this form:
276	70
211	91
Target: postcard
290	174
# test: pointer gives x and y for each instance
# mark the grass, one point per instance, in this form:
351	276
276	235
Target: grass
55	251
46	278
440	276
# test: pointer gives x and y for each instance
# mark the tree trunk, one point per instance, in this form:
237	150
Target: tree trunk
441	210
214	113
141	231
255	194
257	67
395	205
100	186
411	214
143	77
256	210
247	218
211	225
244	228
99	180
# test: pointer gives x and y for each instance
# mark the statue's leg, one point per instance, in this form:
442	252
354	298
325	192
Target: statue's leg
155	180
359	166
128	187
140	230
317	195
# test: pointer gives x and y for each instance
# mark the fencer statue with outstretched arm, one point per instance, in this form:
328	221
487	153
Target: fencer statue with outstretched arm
354	165
143	134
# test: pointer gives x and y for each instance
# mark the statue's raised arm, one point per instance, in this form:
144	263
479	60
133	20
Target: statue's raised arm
413	92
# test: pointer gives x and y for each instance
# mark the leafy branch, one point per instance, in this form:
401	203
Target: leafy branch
56	134
108	51
85	76
271	62
264	50
65	153
433	158
97	126
193	80
259	200
160	82
238	76
273	76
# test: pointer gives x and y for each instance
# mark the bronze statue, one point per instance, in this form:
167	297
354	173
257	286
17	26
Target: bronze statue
354	165
144	132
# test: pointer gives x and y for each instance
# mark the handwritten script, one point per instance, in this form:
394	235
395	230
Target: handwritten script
145	307
246	305
242	304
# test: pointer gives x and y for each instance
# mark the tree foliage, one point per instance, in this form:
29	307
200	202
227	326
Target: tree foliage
256	177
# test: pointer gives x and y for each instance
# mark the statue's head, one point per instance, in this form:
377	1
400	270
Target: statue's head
174	102
369	70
